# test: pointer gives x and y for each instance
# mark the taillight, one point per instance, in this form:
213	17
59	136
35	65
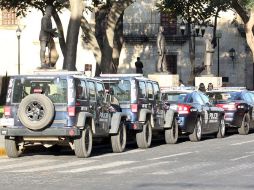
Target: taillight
183	109
7	110
228	107
134	107
71	110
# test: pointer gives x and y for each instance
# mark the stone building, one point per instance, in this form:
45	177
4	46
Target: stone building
141	23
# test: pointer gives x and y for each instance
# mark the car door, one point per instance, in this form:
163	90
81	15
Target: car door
213	114
204	110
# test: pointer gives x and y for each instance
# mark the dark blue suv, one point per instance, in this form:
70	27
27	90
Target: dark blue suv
140	98
60	108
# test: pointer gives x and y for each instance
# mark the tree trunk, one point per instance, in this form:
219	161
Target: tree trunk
60	32
77	8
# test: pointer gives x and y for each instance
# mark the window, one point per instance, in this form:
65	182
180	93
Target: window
141	89
100	90
92	94
150	90
8	17
156	91
80	89
197	99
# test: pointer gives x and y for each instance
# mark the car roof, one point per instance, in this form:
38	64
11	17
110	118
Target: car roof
177	89
228	89
124	76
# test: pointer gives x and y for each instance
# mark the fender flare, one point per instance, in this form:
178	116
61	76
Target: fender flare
143	116
115	121
169	118
84	117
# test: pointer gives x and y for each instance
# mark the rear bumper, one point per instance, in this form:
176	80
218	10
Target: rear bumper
49	132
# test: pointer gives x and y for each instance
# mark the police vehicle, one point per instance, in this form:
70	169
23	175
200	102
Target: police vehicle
197	115
140	98
237	103
60	108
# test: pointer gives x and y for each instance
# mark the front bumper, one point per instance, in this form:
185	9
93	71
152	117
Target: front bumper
49	132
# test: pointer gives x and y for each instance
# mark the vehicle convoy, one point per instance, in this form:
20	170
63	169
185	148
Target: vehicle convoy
197	116
60	109
140	98
238	106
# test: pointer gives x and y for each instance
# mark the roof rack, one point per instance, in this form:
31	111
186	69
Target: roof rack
121	75
57	72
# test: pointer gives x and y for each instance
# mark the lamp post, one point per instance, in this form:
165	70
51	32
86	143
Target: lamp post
218	36
232	55
18	34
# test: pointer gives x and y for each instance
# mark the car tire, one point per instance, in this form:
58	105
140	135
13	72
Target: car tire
245	127
118	141
144	138
83	144
171	135
222	129
36	111
197	132
12	148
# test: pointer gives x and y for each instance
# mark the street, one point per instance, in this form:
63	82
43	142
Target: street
210	164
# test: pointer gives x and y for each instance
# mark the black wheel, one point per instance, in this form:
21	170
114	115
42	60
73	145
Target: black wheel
83	144
245	127
36	111
171	135
144	138
118	141
222	129
12	147
197	133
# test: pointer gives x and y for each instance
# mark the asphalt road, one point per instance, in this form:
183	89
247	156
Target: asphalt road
226	164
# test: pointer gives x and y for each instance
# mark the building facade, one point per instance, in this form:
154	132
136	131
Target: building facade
141	23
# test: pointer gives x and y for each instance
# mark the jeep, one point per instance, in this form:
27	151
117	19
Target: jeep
140	98
60	108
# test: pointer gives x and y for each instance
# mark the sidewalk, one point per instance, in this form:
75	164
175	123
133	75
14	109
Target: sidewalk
2	149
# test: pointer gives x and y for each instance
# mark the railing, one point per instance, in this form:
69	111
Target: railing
147	32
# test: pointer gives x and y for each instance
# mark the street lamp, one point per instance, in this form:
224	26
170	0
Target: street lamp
232	55
218	36
18	34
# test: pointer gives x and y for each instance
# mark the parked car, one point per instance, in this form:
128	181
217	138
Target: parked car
197	116
238	106
140	98
60	108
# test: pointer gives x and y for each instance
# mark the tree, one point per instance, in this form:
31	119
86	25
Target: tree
22	7
195	12
105	38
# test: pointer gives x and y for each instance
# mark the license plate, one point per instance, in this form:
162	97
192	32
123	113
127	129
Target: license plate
6	122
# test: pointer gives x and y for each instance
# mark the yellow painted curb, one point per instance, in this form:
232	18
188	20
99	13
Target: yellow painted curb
2	151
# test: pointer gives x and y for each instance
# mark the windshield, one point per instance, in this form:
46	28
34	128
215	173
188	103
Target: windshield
120	89
176	97
55	89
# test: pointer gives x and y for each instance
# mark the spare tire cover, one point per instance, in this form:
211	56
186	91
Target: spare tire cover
36	111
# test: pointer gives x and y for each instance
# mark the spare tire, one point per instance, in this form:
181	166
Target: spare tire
36	111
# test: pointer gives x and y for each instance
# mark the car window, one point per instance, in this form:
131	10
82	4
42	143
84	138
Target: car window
100	91
92	92
175	97
80	89
197	99
141	89
121	89
55	89
156	91
150	90
188	98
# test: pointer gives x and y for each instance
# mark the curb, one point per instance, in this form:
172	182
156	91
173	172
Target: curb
2	151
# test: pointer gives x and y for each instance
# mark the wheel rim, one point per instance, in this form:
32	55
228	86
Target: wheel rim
222	127
35	111
198	129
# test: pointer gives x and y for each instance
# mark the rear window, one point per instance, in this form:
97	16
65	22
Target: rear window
221	97
174	97
121	89
55	89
